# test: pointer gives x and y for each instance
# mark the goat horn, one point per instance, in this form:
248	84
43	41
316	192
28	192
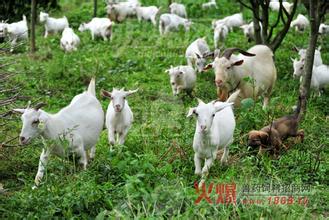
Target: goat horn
228	52
39	105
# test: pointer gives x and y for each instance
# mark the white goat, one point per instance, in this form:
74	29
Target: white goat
53	25
210	4
214	129
120	11
182	78
69	41
317	56
249	30
196	53
324	29
80	123
275	6
257	64
147	13
178	9
320	75
17	31
170	22
101	27
220	34
235	20
119	116
300	23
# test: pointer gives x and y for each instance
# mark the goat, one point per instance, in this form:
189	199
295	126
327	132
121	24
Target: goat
324	29
98	27
300	23
196	53
69	41
182	78
169	22
235	20
220	34
317	56
210	4
80	123
147	13
178	9
119	116
53	25
275	6
120	11
249	30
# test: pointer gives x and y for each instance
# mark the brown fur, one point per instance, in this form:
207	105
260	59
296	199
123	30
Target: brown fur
270	137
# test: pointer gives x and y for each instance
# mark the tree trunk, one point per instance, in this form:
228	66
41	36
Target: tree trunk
33	19
95	8
306	82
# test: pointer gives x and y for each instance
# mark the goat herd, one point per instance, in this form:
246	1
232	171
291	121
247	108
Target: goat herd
81	122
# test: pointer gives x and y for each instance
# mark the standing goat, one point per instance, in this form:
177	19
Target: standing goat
119	116
98	27
300	23
235	20
178	9
147	13
69	41
53	25
210	4
80	123
214	129
169	22
196	53
220	34
182	78
232	70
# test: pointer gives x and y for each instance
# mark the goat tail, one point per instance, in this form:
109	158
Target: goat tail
234	96
24	18
92	87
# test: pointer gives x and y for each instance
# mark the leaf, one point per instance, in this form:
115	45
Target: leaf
247	103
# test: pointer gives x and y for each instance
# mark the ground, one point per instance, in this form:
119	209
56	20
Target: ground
152	175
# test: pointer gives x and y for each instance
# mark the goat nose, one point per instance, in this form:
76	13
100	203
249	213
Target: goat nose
173	83
218	82
21	138
203	127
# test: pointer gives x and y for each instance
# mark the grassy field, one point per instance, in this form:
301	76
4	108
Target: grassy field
152	175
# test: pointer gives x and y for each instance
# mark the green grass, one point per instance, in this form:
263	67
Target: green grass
152	175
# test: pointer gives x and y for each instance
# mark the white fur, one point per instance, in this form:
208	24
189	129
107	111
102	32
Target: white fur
120	11
249	30
317	56
235	20
214	130
324	29
170	22
300	23
320	75
210	4
195	53
147	13
275	6
53	25
182	78
260	68
69	41
178	9
220	34
17	31
80	123
119	116
101	27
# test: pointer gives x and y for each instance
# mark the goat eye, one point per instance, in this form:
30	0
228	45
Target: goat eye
228	67
35	122
213	115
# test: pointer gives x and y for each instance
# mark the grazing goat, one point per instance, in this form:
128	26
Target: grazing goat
53	25
119	116
231	72
270	138
169	22
235	20
80	123
210	4
196	53
275	6
214	129
324	29
120	11
182	78
17	31
220	34
320	75
147	13
69	41
98	27
249	30
300	23
178	9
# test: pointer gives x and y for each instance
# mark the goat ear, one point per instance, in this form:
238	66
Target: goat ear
130	92
319	48
39	106
209	66
190	112
200	101
292	59
221	105
19	110
237	63
105	93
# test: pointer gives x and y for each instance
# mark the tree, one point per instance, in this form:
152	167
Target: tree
265	35
95	9
317	10
33	20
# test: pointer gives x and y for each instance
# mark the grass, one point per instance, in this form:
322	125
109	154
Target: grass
152	175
